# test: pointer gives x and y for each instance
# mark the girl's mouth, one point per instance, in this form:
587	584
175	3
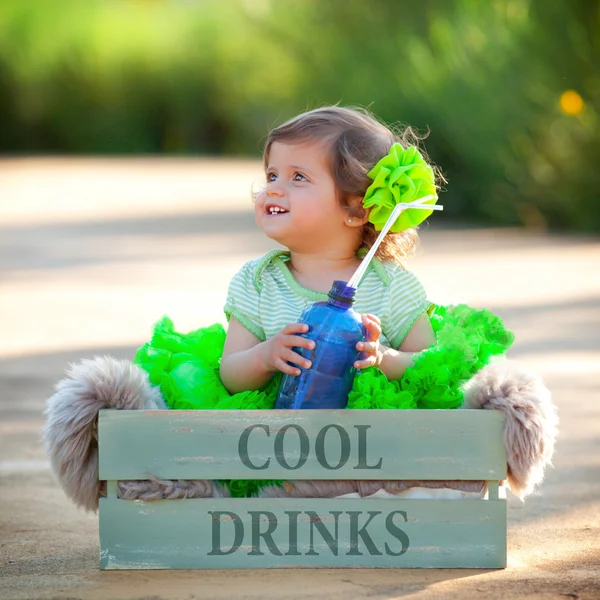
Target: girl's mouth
272	209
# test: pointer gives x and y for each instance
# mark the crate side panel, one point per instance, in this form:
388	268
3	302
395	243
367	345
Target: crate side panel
382	444
260	533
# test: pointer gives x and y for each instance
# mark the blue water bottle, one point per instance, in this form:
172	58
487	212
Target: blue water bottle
336	329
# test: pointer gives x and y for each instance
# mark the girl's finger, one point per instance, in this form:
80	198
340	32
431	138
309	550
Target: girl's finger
284	367
371	321
363	364
373	330
367	347
374	318
295	328
295	359
290	341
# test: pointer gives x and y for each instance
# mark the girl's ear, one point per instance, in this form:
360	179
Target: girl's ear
357	214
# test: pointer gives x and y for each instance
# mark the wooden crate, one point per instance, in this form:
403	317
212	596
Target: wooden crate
326	444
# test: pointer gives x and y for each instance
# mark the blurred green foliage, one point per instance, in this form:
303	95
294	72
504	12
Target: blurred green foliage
488	79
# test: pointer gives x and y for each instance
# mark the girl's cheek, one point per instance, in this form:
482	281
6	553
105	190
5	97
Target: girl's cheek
260	198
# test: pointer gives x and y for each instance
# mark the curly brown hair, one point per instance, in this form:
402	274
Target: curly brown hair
356	141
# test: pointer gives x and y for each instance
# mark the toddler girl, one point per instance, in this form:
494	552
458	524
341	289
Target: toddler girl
333	177
317	168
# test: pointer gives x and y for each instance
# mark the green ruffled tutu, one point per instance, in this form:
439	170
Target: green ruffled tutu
186	368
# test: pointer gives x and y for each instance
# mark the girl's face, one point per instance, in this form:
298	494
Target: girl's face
298	207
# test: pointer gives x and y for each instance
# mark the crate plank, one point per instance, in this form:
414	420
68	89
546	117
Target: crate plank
311	444
259	533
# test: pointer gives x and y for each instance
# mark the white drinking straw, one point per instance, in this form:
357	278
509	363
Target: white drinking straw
364	265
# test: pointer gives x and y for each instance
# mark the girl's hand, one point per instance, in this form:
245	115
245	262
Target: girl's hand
371	348
278	350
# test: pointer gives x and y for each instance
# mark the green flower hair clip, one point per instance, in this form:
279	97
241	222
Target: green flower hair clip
401	176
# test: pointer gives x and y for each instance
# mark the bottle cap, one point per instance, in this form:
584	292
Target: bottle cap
341	294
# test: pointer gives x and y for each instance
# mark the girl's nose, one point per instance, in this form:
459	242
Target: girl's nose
274	189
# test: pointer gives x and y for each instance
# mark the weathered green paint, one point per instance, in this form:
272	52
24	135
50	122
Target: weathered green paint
493	490
191	534
111	489
199	533
419	444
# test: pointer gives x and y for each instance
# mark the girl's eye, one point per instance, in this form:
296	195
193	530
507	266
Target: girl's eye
271	177
299	177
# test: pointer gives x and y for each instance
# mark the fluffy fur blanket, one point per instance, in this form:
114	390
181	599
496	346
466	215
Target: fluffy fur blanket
70	434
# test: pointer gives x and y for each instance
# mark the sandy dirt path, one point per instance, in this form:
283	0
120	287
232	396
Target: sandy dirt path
92	252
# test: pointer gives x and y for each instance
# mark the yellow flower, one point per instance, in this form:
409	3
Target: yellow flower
571	102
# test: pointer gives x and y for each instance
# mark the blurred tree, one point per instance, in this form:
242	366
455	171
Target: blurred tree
487	78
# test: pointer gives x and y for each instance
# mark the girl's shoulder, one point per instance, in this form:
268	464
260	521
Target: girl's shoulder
391	272
254	270
384	272
401	283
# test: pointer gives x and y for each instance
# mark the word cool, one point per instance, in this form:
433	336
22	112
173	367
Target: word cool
278	441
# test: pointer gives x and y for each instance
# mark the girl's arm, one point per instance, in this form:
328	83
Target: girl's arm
420	337
242	367
392	362
249	364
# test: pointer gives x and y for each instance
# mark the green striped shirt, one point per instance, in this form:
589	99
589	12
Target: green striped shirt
264	297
